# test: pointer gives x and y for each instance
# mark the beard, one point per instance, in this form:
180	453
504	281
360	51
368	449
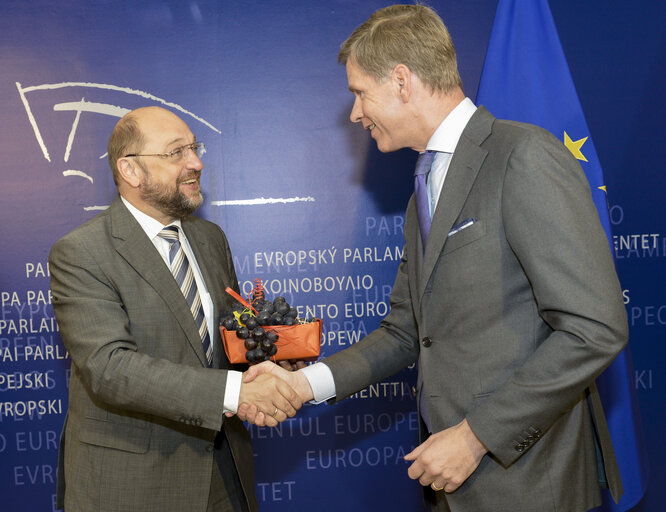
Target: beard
168	200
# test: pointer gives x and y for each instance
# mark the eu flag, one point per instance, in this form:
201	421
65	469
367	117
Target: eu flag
526	78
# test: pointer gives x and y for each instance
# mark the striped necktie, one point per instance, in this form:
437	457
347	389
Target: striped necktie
182	272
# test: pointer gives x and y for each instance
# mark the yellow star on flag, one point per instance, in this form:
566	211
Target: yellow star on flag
574	146
603	187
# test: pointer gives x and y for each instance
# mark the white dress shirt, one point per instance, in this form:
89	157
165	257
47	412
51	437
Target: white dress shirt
152	227
444	141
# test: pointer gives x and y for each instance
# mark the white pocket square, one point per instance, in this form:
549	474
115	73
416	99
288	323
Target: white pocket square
459	227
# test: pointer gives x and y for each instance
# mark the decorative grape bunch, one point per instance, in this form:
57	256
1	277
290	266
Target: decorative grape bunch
253	324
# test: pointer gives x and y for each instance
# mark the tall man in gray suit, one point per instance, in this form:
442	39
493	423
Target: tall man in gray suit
510	304
150	383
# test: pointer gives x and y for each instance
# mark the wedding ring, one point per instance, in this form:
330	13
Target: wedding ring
275	413
435	488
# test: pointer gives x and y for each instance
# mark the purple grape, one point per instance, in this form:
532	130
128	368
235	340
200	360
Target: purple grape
264	318
229	324
282	308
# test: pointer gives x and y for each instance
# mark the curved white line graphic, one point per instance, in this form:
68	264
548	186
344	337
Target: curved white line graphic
90	106
72	172
110	87
83	106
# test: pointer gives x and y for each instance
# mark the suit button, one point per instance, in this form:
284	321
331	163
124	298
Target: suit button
520	447
426	342
210	448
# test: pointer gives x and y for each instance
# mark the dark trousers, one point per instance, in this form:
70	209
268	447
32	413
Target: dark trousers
226	493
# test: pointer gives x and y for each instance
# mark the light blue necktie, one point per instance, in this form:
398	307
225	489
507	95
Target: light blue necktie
423	165
182	272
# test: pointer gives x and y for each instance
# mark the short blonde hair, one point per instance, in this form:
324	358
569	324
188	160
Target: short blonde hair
413	35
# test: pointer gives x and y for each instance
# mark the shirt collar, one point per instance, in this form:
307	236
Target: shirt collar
150	225
447	134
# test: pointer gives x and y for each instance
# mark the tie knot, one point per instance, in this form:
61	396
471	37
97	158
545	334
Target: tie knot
424	162
169	233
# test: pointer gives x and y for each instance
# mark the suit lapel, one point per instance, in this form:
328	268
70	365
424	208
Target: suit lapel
413	247
132	244
463	169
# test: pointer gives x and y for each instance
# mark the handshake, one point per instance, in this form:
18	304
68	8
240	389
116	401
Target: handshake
270	393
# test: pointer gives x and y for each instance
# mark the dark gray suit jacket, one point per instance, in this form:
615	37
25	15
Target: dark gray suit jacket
510	319
144	408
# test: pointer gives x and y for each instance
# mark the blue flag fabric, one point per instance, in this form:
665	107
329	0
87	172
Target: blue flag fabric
526	78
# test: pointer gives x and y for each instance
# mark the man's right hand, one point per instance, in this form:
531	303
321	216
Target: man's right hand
269	397
247	411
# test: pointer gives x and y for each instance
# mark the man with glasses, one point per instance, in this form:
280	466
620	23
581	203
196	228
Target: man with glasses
136	292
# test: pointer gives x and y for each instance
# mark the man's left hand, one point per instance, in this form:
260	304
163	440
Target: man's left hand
446	459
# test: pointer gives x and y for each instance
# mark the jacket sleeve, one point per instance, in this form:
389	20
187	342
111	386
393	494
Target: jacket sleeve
383	352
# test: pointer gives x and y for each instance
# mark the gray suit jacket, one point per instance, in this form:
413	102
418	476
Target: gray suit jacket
510	319
144	408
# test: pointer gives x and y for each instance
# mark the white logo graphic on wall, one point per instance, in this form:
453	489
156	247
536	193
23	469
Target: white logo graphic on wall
83	106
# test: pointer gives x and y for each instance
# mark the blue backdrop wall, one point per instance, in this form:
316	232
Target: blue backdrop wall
307	201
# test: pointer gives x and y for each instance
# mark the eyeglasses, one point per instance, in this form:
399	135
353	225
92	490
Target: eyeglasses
178	154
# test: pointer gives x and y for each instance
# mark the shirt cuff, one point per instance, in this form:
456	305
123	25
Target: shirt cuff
232	391
321	381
